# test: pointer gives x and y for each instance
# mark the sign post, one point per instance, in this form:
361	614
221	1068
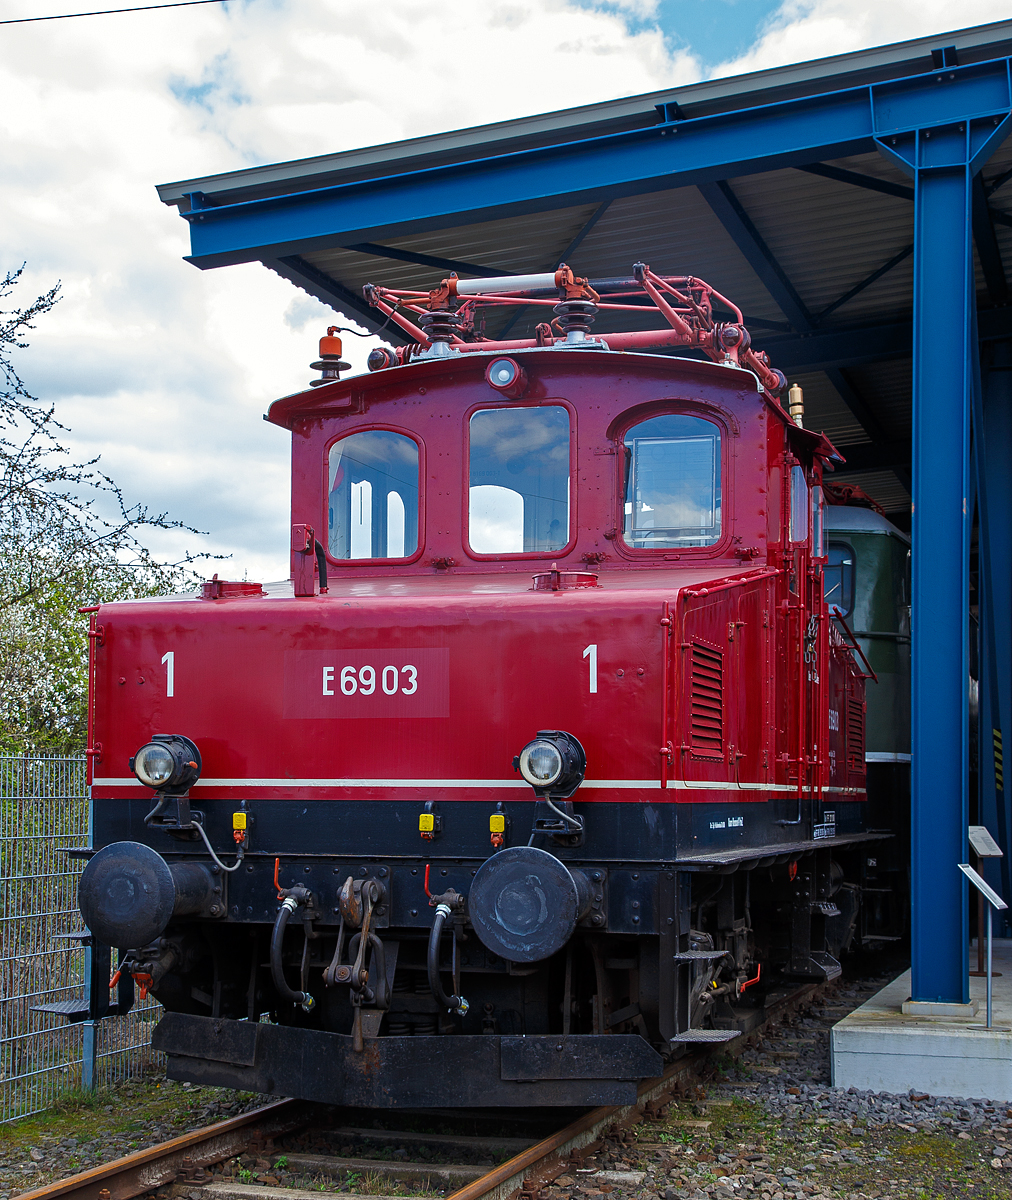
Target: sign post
983	846
994	901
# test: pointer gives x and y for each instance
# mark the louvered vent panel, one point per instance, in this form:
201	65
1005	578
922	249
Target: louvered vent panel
706	702
855	733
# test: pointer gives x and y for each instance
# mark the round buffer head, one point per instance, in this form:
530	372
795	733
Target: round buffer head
126	895
523	904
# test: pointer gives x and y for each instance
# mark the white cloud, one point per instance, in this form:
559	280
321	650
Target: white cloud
166	370
808	29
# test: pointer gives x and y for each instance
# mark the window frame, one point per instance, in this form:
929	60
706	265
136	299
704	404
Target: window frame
465	506
674	408
795	471
345	563
840	541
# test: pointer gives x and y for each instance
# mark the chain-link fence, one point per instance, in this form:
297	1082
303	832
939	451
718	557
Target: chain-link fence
44	810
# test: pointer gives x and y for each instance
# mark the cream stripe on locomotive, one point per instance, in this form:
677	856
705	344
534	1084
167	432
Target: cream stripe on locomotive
637	784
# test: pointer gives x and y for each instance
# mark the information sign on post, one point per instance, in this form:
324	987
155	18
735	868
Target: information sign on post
983	846
994	901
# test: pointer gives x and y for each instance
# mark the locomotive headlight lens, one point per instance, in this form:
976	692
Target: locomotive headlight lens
540	764
154	765
554	763
169	763
503	372
507	377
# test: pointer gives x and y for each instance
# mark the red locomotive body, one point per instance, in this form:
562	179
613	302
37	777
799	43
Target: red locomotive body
554	671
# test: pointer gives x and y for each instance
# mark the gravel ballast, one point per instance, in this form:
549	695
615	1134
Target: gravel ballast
764	1124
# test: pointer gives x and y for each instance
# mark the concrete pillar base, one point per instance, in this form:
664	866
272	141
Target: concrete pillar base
936	1008
891	1044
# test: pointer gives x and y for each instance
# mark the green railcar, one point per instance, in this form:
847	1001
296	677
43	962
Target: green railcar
867	580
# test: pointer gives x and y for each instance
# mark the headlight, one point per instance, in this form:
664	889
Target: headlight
507	376
554	763
540	763
168	763
154	765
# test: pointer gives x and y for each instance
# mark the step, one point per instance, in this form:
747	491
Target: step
254	1191
706	1036
441	1174
476	1143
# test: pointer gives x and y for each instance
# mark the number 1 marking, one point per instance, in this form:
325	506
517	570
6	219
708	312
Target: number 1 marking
591	653
169	659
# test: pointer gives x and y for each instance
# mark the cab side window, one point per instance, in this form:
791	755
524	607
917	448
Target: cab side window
672	483
518	496
838	577
373	496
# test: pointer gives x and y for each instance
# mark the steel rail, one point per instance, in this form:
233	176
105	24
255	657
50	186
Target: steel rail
141	1172
135	1174
532	1168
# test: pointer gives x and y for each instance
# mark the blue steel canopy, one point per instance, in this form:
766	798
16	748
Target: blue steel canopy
768	185
853	207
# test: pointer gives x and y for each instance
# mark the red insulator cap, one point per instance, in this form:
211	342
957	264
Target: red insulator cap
331	344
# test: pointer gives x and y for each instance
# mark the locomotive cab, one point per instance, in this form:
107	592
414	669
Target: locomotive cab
546	762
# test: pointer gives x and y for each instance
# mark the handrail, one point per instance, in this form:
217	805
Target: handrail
855	644
740	581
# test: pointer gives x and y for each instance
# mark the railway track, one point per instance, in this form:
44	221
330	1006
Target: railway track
316	1147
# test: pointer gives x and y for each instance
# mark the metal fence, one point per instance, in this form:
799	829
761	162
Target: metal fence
44	809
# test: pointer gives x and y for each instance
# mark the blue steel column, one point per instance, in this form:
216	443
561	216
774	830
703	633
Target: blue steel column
942	160
943	294
995	488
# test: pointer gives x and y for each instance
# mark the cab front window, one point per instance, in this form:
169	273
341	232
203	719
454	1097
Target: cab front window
672	483
373	496
518	493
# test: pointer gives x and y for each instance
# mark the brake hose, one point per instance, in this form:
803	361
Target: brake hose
321	562
454	1004
210	849
303	999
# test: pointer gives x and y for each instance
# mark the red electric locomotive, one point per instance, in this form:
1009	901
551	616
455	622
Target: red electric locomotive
546	762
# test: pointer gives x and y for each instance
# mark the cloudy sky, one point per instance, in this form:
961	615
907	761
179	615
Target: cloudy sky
165	370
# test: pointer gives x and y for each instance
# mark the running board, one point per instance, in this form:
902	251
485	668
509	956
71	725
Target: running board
700	1036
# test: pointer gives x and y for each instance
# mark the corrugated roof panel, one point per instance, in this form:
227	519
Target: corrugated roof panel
828	236
887	388
882	486
674	231
677	234
825	411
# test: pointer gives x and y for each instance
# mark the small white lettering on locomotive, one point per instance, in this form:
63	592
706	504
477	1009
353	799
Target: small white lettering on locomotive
834	719
736	822
828	828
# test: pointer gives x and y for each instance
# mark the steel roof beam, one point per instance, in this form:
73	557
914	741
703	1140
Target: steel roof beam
705	149
865	283
987	245
857	180
872	456
907	193
329	291
729	211
427	260
727	208
860	409
576	242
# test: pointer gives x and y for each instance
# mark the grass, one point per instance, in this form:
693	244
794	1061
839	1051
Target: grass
109	1123
897	1163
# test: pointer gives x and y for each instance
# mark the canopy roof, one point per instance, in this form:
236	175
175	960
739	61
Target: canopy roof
813	241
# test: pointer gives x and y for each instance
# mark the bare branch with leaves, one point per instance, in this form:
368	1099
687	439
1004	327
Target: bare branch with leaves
70	538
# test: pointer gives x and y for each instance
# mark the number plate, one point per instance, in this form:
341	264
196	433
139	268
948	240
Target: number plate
367	683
